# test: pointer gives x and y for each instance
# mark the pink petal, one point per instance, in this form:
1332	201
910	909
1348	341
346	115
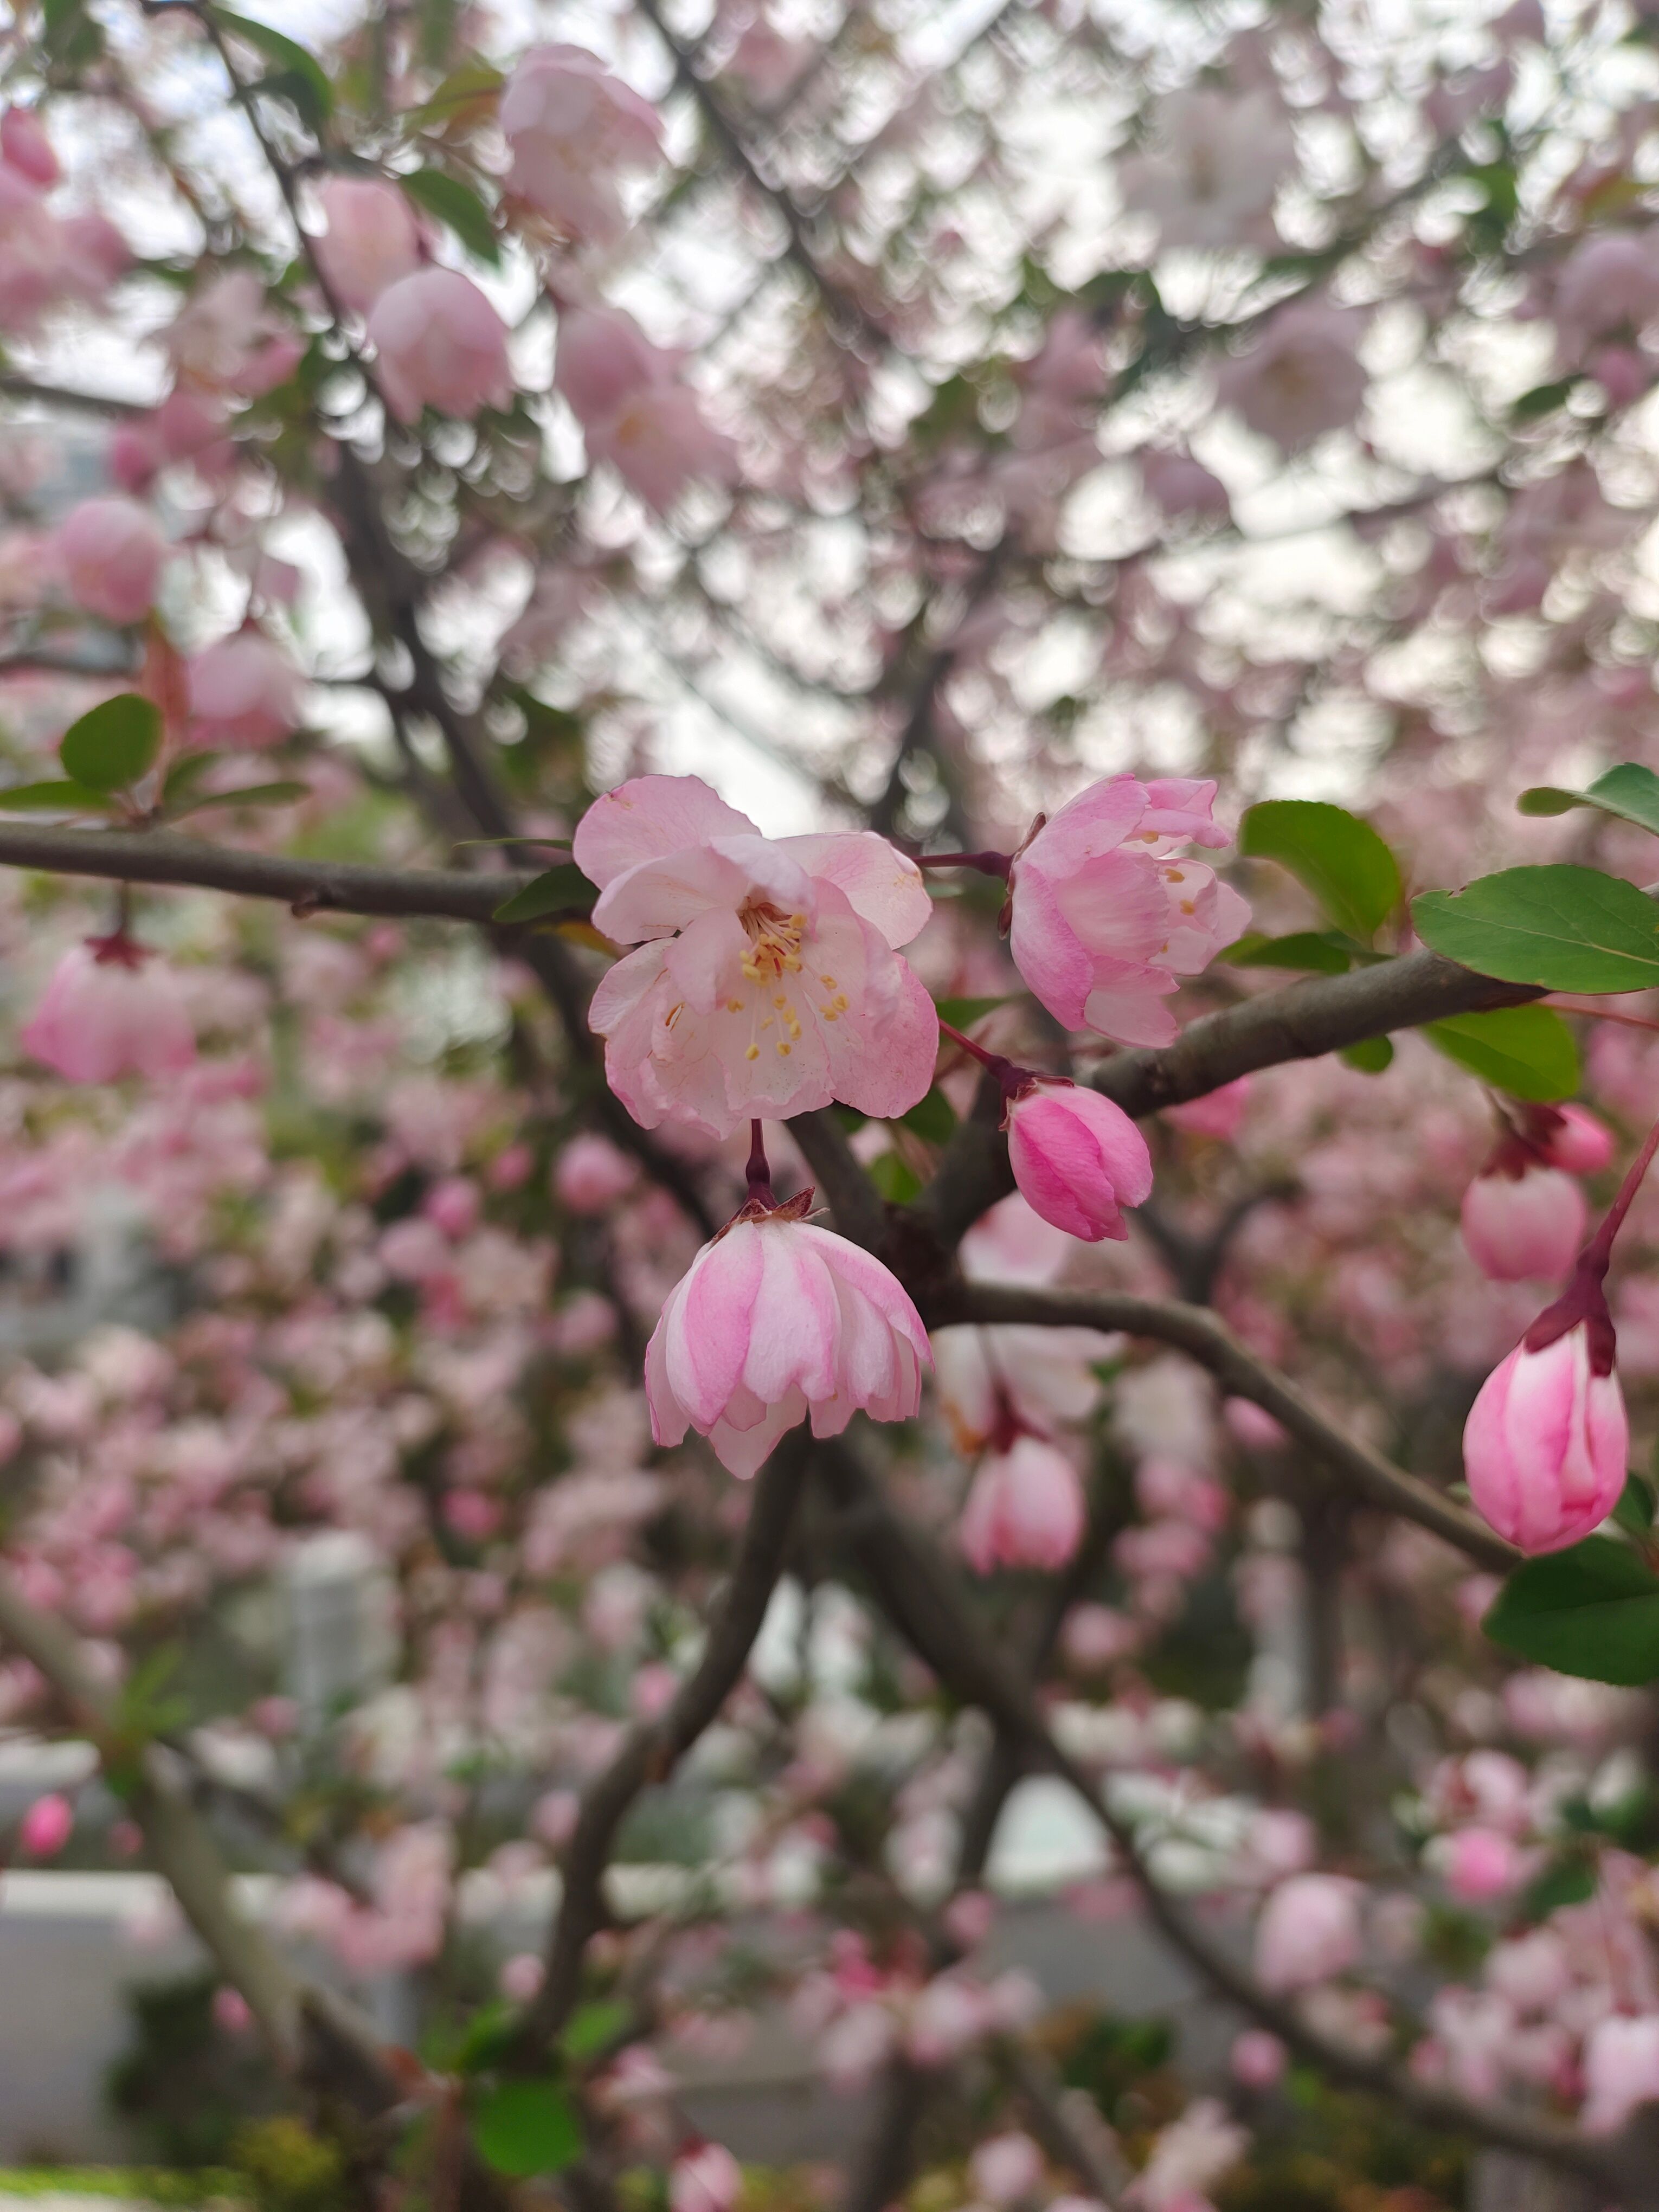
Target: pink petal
879	882
648	818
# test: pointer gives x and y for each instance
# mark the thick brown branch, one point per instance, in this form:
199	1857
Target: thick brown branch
1197	1332
653	1749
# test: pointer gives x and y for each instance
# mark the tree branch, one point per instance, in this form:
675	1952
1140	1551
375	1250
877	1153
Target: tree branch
919	1594
655	1747
1197	1332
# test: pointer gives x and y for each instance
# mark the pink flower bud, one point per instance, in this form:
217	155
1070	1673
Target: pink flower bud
231	2011
112	553
24	147
1308	1932
455	1203
244	693
1078	1158
592	1174
440	344
46	1827
1546	1442
705	2178
1576	1140
1025	1509
775	1320
1259	2059
1621	2071
372	240
521	1976
1526	1227
111	1009
474	1515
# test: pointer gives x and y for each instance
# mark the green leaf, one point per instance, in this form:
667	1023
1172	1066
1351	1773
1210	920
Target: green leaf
114	745
1331	853
1635	1509
1543	399
282	793
474	80
934	1119
1629	791
563	890
594	2027
962	1013
1570	1879
522	2127
1592	1611
1314	951
458	206
299	76
184	775
894	1182
1562	928
1528	1051
487	2037
57	797
1370	1056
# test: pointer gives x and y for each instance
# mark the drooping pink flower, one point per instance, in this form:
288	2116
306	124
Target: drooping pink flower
1524	1227
111	1009
1300	378
1546	1442
574	131
634	410
243	693
705	2178
1621	2070
440	344
372	240
1025	1509
47	1826
592	1174
1106	917
1078	1158
767	982
24	147
111	551
1308	1932
776	1321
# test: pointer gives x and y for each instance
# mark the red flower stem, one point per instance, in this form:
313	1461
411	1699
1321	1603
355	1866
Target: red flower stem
988	864
1602	1243
759	1172
1012	1078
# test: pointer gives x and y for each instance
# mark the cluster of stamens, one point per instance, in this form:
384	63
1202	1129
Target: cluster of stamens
774	952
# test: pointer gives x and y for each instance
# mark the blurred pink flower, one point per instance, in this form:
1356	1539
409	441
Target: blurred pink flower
1025	1509
111	1008
1523	1227
634	410
372	240
243	693
573	130
1300	378
440	344
591	1174
112	551
46	1827
1621	2070
1308	1932
704	2178
24	147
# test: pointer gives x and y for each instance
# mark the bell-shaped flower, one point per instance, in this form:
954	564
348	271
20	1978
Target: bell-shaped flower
1078	1158
111	1009
1025	1509
1523	1226
1106	916
372	240
634	410
440	344
1547	1441
766	982
777	1321
574	130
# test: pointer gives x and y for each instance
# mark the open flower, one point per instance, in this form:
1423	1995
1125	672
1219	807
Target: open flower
1105	917
372	240
440	344
774	1321
245	692
766	982
575	129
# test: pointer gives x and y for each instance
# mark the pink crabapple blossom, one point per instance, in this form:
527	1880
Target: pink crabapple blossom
243	694
439	344
46	1827
768	981
372	240
1025	1508
1548	1443
1525	1226
1077	1159
111	552
575	129
1308	1931
111	1008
